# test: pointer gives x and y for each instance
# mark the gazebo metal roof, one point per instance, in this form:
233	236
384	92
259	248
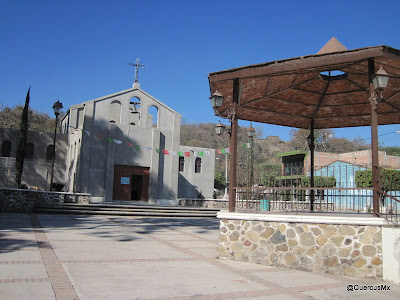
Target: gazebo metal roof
292	92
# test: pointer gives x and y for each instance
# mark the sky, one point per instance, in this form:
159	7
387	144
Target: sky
76	51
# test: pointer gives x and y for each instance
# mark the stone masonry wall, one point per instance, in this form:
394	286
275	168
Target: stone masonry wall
12	200
209	203
352	250
20	200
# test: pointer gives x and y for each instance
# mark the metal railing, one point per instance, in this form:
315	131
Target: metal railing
300	199
389	206
389	195
336	189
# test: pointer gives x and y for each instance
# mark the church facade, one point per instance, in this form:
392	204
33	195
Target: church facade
126	146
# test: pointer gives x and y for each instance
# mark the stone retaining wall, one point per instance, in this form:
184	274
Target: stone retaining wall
209	203
20	200
353	250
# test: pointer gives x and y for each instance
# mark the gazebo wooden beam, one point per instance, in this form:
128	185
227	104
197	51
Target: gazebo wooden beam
374	140
233	146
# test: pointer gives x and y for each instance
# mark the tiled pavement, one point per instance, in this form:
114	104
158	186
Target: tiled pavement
99	257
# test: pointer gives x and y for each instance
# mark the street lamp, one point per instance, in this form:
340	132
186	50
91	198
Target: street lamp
219	130
250	131
57	110
216	99
380	79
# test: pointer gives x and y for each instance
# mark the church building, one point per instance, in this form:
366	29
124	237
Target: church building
126	146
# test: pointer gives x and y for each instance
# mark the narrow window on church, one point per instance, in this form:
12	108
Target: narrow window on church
181	164
134	109
70	154
29	150
197	165
49	152
79	117
6	149
115	112
152	118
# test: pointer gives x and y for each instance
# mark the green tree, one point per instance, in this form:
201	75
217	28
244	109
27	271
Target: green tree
325	141
270	171
20	156
391	150
219	181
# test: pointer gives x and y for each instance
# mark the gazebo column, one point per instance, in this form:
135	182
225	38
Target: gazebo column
233	146
374	139
312	153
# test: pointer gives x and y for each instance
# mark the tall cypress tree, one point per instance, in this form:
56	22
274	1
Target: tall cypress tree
20	156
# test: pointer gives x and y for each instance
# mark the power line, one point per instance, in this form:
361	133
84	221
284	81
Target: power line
380	135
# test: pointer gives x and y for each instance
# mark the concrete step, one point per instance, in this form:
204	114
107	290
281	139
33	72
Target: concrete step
148	210
131	209
140	207
124	212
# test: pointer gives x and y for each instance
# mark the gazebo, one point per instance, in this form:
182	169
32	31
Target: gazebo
334	88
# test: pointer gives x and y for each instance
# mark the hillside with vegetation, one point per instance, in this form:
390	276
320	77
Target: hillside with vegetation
38	121
265	149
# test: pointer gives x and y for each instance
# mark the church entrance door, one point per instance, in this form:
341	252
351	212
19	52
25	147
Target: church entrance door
131	183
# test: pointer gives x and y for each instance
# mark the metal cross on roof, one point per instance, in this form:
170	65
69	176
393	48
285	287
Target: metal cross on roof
137	66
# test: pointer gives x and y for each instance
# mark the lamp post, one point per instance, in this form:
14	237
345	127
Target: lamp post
378	82
219	130
250	158
311	145
230	113
57	109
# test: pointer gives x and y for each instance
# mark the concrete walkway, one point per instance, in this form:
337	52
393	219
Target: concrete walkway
99	257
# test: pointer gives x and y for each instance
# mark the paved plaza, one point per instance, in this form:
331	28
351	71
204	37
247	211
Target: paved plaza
101	257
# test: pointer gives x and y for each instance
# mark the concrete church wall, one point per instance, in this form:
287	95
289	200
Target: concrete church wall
92	157
192	184
37	170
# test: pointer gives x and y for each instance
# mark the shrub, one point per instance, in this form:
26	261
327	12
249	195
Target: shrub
389	179
319	181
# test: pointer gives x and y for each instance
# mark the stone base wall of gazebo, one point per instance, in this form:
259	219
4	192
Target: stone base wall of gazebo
336	245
